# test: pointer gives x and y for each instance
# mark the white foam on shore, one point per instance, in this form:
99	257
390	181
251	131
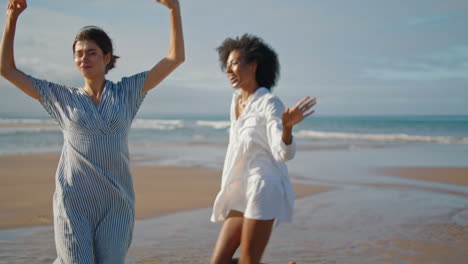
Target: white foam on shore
157	124
214	124
380	137
27	129
12	121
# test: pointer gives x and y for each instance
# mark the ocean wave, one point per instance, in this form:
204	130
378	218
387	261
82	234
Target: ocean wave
27	129
18	126
380	137
214	124
13	122
157	124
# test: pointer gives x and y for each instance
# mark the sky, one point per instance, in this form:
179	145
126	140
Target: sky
362	57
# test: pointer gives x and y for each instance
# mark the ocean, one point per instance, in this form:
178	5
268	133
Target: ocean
360	221
31	135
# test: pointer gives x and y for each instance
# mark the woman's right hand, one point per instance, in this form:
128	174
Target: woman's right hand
171	4
16	7
8	68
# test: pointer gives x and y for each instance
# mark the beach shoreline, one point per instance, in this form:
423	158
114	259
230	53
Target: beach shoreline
446	175
412	215
28	181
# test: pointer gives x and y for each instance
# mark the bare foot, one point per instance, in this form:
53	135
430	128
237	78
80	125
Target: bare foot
292	262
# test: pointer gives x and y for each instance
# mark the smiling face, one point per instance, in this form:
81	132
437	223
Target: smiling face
240	73
89	59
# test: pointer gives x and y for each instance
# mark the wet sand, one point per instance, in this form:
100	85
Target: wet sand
454	176
27	186
363	223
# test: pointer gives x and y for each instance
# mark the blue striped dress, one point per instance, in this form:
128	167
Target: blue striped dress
93	204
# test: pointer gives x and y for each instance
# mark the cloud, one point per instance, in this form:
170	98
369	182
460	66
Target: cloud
418	72
413	21
327	49
450	64
38	67
451	15
43	44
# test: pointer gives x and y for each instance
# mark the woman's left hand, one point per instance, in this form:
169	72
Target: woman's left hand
297	113
171	4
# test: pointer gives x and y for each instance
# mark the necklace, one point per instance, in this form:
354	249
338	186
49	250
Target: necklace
242	103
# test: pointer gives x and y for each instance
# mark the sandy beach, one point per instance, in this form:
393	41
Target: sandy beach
27	187
367	222
454	176
451	176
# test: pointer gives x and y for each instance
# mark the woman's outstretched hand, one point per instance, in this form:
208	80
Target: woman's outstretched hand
16	7
297	113
171	4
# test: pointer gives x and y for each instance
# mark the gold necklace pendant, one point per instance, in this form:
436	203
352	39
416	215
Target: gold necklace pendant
242	103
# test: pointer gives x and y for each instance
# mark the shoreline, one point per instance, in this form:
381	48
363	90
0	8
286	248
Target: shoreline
28	181
457	176
27	185
446	175
390	220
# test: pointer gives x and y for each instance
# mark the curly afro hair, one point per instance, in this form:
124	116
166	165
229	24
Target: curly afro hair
253	48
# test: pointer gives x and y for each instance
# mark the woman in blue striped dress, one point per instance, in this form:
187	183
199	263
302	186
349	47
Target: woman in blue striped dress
93	202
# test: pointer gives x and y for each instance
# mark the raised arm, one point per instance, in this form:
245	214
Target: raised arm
7	61
176	54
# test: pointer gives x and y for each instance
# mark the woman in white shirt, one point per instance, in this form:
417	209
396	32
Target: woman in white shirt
255	189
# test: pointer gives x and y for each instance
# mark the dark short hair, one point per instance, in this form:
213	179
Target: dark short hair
253	48
101	38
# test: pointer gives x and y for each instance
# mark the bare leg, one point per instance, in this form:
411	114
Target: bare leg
229	239
255	236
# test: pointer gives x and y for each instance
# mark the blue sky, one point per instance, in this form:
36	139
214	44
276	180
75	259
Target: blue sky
369	57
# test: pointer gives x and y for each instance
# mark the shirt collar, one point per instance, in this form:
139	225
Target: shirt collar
258	93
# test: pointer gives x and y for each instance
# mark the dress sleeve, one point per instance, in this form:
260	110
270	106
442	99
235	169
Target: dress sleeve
133	87
279	149
52	97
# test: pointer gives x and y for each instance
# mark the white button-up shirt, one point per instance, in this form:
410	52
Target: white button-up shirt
255	160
